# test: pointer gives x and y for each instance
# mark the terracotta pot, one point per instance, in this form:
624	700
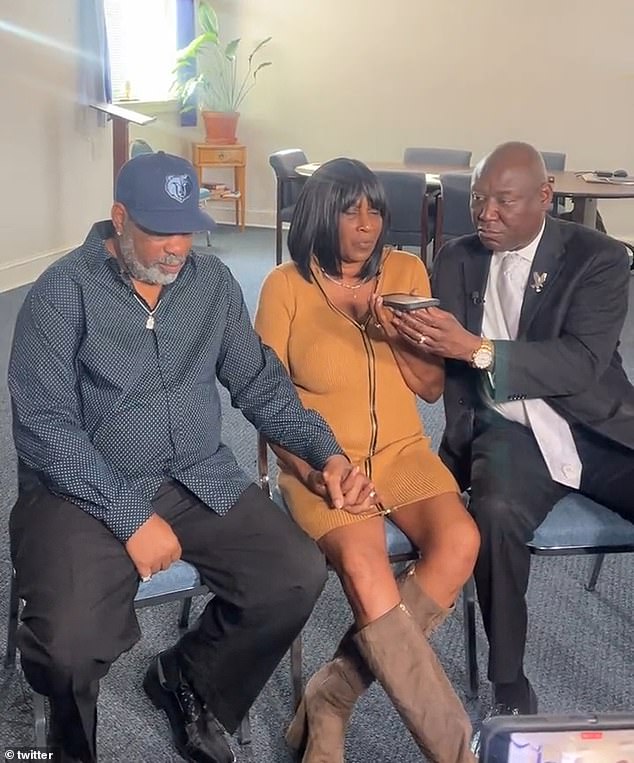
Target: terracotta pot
220	126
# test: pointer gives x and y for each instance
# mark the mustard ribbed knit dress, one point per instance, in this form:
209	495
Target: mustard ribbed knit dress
348	373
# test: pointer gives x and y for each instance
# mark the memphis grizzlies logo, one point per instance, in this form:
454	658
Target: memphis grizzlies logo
178	187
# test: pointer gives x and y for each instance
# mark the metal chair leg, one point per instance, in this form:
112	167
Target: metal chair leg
278	242
39	720
470	645
296	670
244	731
12	625
594	576
183	620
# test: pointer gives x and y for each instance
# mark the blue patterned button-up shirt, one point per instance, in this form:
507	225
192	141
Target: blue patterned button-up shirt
105	408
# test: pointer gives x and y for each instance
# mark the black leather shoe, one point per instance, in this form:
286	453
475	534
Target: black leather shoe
197	735
499	708
517	698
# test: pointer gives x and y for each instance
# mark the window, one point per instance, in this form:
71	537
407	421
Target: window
142	46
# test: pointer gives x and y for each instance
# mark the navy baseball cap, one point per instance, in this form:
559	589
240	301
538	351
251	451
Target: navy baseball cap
161	194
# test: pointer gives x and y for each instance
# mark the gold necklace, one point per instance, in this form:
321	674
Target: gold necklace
344	285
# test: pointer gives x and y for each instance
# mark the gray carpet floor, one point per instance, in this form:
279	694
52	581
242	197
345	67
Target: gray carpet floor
580	652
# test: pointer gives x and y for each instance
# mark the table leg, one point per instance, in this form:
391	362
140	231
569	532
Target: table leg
584	211
240	183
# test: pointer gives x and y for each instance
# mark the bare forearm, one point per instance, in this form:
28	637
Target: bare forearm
423	373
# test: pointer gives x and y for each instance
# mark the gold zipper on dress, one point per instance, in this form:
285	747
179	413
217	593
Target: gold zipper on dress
374	435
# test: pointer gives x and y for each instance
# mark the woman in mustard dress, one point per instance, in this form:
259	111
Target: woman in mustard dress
362	365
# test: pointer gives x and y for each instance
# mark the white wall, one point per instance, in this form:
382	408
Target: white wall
361	78
56	163
366	78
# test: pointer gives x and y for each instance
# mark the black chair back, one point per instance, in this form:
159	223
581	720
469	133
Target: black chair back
555	161
451	157
289	184
454	212
407	202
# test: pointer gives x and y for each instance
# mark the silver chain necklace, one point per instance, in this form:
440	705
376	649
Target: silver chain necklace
149	323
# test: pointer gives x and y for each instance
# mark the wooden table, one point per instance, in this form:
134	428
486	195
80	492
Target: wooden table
232	156
584	195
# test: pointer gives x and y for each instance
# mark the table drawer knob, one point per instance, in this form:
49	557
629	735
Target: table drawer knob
221	155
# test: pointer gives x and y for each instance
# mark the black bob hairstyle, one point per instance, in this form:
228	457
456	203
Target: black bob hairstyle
332	189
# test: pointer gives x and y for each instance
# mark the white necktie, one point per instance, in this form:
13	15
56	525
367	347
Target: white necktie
551	431
511	282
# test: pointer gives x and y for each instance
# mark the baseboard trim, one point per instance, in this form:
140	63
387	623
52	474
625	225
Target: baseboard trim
16	274
258	218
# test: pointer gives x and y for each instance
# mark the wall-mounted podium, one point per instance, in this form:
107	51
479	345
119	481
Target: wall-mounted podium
121	118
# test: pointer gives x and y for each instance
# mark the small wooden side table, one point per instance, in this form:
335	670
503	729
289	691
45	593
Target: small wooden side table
234	155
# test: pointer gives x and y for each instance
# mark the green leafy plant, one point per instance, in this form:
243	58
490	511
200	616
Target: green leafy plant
217	84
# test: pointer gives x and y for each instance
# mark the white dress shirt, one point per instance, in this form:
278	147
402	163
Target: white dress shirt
503	299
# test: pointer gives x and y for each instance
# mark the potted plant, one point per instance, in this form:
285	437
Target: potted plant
215	84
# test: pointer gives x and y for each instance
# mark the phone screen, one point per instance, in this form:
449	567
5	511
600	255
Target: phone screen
587	746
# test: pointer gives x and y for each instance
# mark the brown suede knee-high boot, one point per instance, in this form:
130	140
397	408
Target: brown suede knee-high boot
317	732
428	614
400	657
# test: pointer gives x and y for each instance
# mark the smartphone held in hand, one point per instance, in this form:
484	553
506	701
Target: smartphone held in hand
407	302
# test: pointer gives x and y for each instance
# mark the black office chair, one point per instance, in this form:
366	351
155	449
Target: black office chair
449	157
408	205
454	212
289	184
555	161
575	526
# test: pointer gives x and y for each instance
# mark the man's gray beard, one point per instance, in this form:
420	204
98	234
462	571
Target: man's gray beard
152	275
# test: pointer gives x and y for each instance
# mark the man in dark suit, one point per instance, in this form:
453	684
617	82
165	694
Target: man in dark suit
536	399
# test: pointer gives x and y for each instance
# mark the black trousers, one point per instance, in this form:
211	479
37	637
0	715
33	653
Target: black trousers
78	584
511	494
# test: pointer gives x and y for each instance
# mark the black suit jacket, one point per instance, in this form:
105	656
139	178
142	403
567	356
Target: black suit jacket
566	350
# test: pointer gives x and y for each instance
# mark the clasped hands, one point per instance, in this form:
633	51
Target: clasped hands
429	329
343	485
154	545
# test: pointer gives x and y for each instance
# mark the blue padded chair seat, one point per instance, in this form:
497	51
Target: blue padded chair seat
397	542
577	522
180	577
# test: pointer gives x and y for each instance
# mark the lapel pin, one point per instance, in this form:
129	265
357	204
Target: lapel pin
539	279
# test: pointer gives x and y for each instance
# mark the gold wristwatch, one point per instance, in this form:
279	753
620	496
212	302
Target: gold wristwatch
484	356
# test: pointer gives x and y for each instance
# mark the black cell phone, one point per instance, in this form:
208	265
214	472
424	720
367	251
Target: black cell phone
553	739
408	302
